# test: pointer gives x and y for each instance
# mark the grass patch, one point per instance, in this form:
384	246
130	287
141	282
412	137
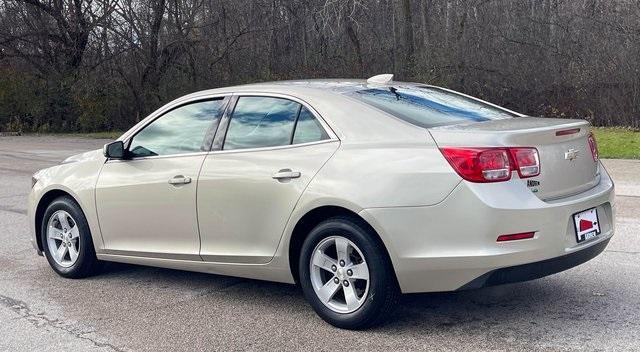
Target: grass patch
618	143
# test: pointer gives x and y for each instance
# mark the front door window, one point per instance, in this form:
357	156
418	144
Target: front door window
179	131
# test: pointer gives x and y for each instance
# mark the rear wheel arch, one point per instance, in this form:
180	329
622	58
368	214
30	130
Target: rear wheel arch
314	217
44	202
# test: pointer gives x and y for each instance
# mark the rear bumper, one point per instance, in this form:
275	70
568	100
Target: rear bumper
536	270
452	245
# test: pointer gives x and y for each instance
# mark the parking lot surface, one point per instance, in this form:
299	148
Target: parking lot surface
595	306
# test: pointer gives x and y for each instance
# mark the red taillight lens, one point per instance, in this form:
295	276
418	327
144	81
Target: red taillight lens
527	161
516	236
492	164
480	165
594	147
495	165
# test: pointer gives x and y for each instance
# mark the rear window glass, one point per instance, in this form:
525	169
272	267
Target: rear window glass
429	106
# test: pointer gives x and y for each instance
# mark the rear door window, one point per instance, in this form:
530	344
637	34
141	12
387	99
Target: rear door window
261	122
308	128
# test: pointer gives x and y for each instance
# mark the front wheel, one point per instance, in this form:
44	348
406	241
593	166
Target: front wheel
346	275
66	239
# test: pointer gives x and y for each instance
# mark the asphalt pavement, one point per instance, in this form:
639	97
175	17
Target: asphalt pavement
595	306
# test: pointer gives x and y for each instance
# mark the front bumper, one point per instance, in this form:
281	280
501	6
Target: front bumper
31	215
452	245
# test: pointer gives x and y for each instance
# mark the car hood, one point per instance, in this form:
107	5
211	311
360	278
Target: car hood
92	155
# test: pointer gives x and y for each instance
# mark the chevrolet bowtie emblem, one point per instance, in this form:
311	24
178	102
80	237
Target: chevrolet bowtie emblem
571	154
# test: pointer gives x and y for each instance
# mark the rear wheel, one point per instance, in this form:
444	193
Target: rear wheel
66	239
346	276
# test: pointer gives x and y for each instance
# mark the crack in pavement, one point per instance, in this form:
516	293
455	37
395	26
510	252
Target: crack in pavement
17	171
27	157
14	210
205	293
627	196
625	252
24	312
12	195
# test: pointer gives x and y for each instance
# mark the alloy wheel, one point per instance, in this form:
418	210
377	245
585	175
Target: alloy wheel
63	238
339	274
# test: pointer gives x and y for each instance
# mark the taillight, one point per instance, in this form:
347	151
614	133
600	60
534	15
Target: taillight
495	165
479	165
527	161
594	147
492	164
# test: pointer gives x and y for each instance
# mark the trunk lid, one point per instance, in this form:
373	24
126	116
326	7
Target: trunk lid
566	162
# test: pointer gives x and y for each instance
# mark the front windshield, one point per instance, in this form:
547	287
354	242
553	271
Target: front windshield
429	106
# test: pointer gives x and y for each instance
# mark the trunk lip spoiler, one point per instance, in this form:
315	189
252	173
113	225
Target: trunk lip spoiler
482	126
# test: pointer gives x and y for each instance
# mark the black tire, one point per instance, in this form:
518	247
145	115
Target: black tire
86	264
383	293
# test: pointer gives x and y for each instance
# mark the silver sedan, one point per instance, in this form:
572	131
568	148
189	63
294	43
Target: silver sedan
356	190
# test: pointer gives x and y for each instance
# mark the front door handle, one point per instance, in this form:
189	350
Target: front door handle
180	180
286	174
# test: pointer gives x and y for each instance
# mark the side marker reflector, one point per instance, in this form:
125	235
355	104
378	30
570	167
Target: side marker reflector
516	236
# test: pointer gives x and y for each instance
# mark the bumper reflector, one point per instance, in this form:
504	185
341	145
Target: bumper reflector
516	236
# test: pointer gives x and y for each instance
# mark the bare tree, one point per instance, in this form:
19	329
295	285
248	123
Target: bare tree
98	64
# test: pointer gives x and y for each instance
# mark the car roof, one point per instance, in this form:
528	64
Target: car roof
333	86
350	119
338	86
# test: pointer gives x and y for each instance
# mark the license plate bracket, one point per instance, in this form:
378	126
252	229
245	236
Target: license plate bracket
586	224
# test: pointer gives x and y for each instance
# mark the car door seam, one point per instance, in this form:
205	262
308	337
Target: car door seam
295	206
204	159
95	202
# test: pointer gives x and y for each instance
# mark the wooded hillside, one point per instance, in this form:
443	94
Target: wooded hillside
90	65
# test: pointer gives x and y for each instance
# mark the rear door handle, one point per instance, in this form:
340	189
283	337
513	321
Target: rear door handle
179	180
286	174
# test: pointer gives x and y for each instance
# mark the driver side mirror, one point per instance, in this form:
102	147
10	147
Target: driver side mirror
114	150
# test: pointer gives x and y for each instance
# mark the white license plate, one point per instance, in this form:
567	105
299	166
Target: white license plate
587	225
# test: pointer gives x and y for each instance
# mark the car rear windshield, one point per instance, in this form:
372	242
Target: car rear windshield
429	106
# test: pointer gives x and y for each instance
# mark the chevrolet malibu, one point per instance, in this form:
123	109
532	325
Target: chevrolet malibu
356	190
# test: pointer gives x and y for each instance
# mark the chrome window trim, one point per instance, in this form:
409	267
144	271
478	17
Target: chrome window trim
158	157
288	146
231	151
